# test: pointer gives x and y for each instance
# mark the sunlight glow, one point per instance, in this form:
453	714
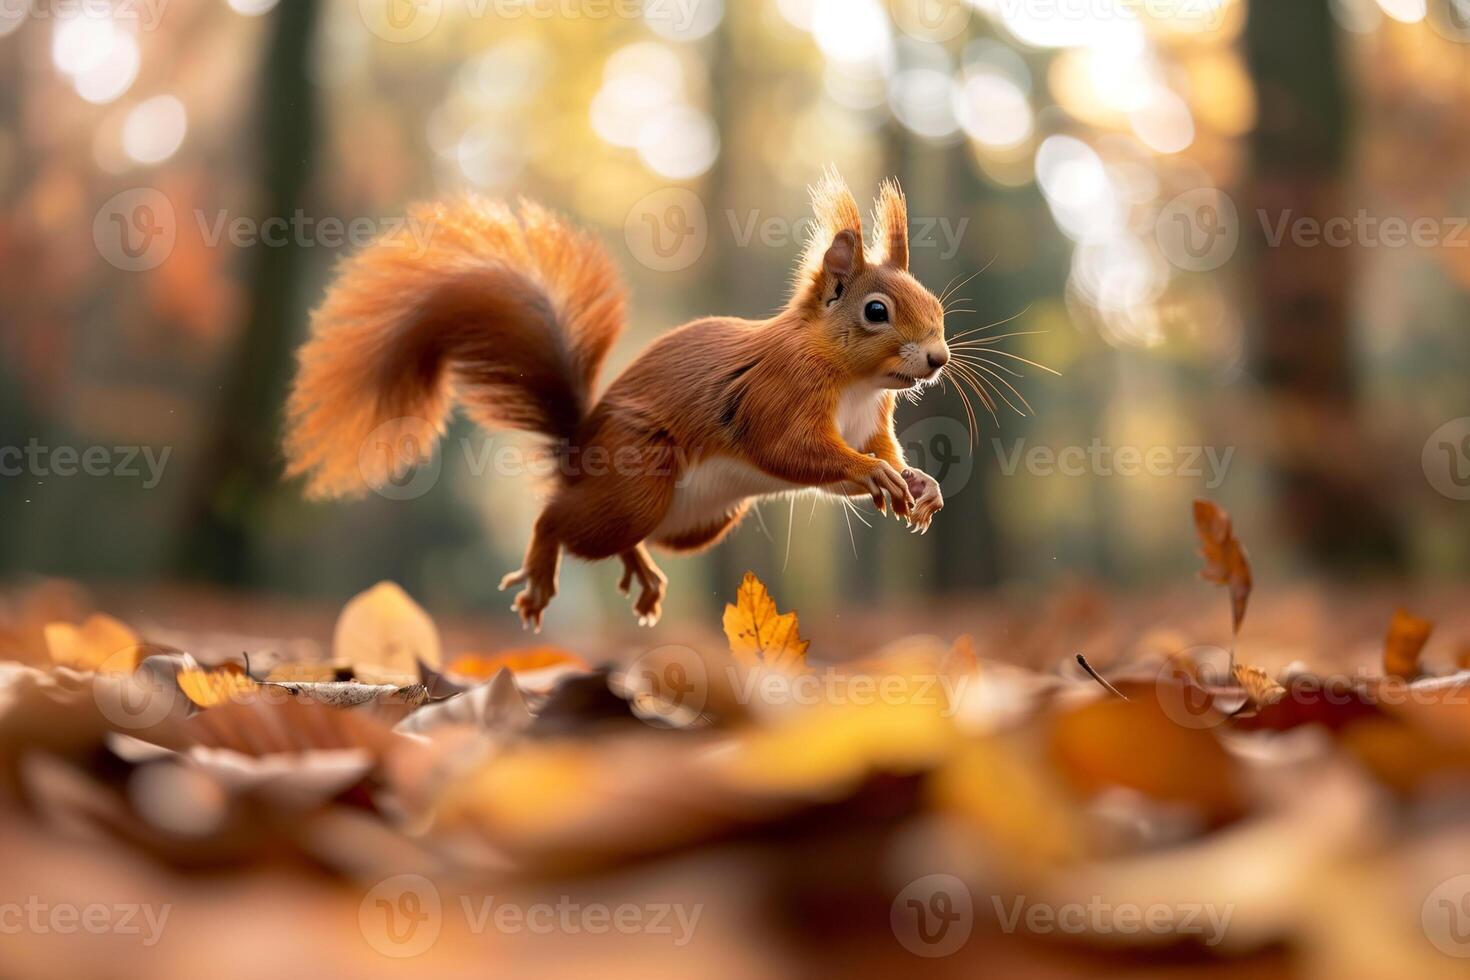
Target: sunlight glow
154	130
993	110
1078	189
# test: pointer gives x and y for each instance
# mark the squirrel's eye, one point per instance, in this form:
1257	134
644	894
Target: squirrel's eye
875	311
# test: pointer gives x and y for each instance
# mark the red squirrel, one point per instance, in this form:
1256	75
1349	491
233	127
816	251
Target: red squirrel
510	314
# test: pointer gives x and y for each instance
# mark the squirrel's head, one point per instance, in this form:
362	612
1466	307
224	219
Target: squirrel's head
882	324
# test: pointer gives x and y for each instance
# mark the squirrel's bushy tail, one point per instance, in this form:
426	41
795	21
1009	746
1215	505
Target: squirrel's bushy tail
510	314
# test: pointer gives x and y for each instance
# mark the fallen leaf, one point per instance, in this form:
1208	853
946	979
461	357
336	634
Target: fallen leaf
1225	559
211	688
1406	637
1137	745
1259	686
496	705
99	642
485	666
382	634
758	633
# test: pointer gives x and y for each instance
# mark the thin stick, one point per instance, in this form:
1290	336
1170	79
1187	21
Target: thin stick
1099	677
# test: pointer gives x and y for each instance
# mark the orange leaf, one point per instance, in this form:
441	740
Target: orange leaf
211	688
758	634
1135	744
1225	560
487	665
99	642
1407	635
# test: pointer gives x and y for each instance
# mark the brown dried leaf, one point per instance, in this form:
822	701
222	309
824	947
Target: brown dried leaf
1406	637
1225	560
1259	686
758	633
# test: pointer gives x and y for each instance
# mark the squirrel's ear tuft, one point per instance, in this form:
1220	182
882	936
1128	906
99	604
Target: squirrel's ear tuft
891	226
836	211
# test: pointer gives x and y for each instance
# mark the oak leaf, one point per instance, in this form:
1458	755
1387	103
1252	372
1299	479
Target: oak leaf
758	633
1225	560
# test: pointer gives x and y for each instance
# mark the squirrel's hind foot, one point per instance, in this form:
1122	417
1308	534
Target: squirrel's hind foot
637	563
531	602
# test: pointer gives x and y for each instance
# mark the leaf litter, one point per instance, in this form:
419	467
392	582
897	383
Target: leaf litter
1178	779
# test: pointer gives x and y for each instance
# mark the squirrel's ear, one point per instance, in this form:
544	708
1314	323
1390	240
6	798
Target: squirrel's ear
844	256
891	223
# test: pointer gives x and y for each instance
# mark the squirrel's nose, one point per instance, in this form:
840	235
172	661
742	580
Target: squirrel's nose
938	359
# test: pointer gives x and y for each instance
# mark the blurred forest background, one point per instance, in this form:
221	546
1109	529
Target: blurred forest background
147	299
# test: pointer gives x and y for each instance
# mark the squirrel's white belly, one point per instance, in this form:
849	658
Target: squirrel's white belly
709	490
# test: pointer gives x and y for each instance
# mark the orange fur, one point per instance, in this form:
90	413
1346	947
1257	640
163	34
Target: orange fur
511	315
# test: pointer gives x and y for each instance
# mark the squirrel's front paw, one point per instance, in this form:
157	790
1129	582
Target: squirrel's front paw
928	500
885	480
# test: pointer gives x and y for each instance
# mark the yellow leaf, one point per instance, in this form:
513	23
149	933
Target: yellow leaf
1405	640
210	688
758	634
382	634
99	642
1259	686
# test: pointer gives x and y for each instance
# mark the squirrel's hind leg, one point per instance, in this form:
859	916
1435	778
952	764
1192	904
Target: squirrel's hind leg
538	573
638	563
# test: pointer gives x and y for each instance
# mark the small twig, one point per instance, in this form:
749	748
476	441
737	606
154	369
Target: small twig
1082	661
